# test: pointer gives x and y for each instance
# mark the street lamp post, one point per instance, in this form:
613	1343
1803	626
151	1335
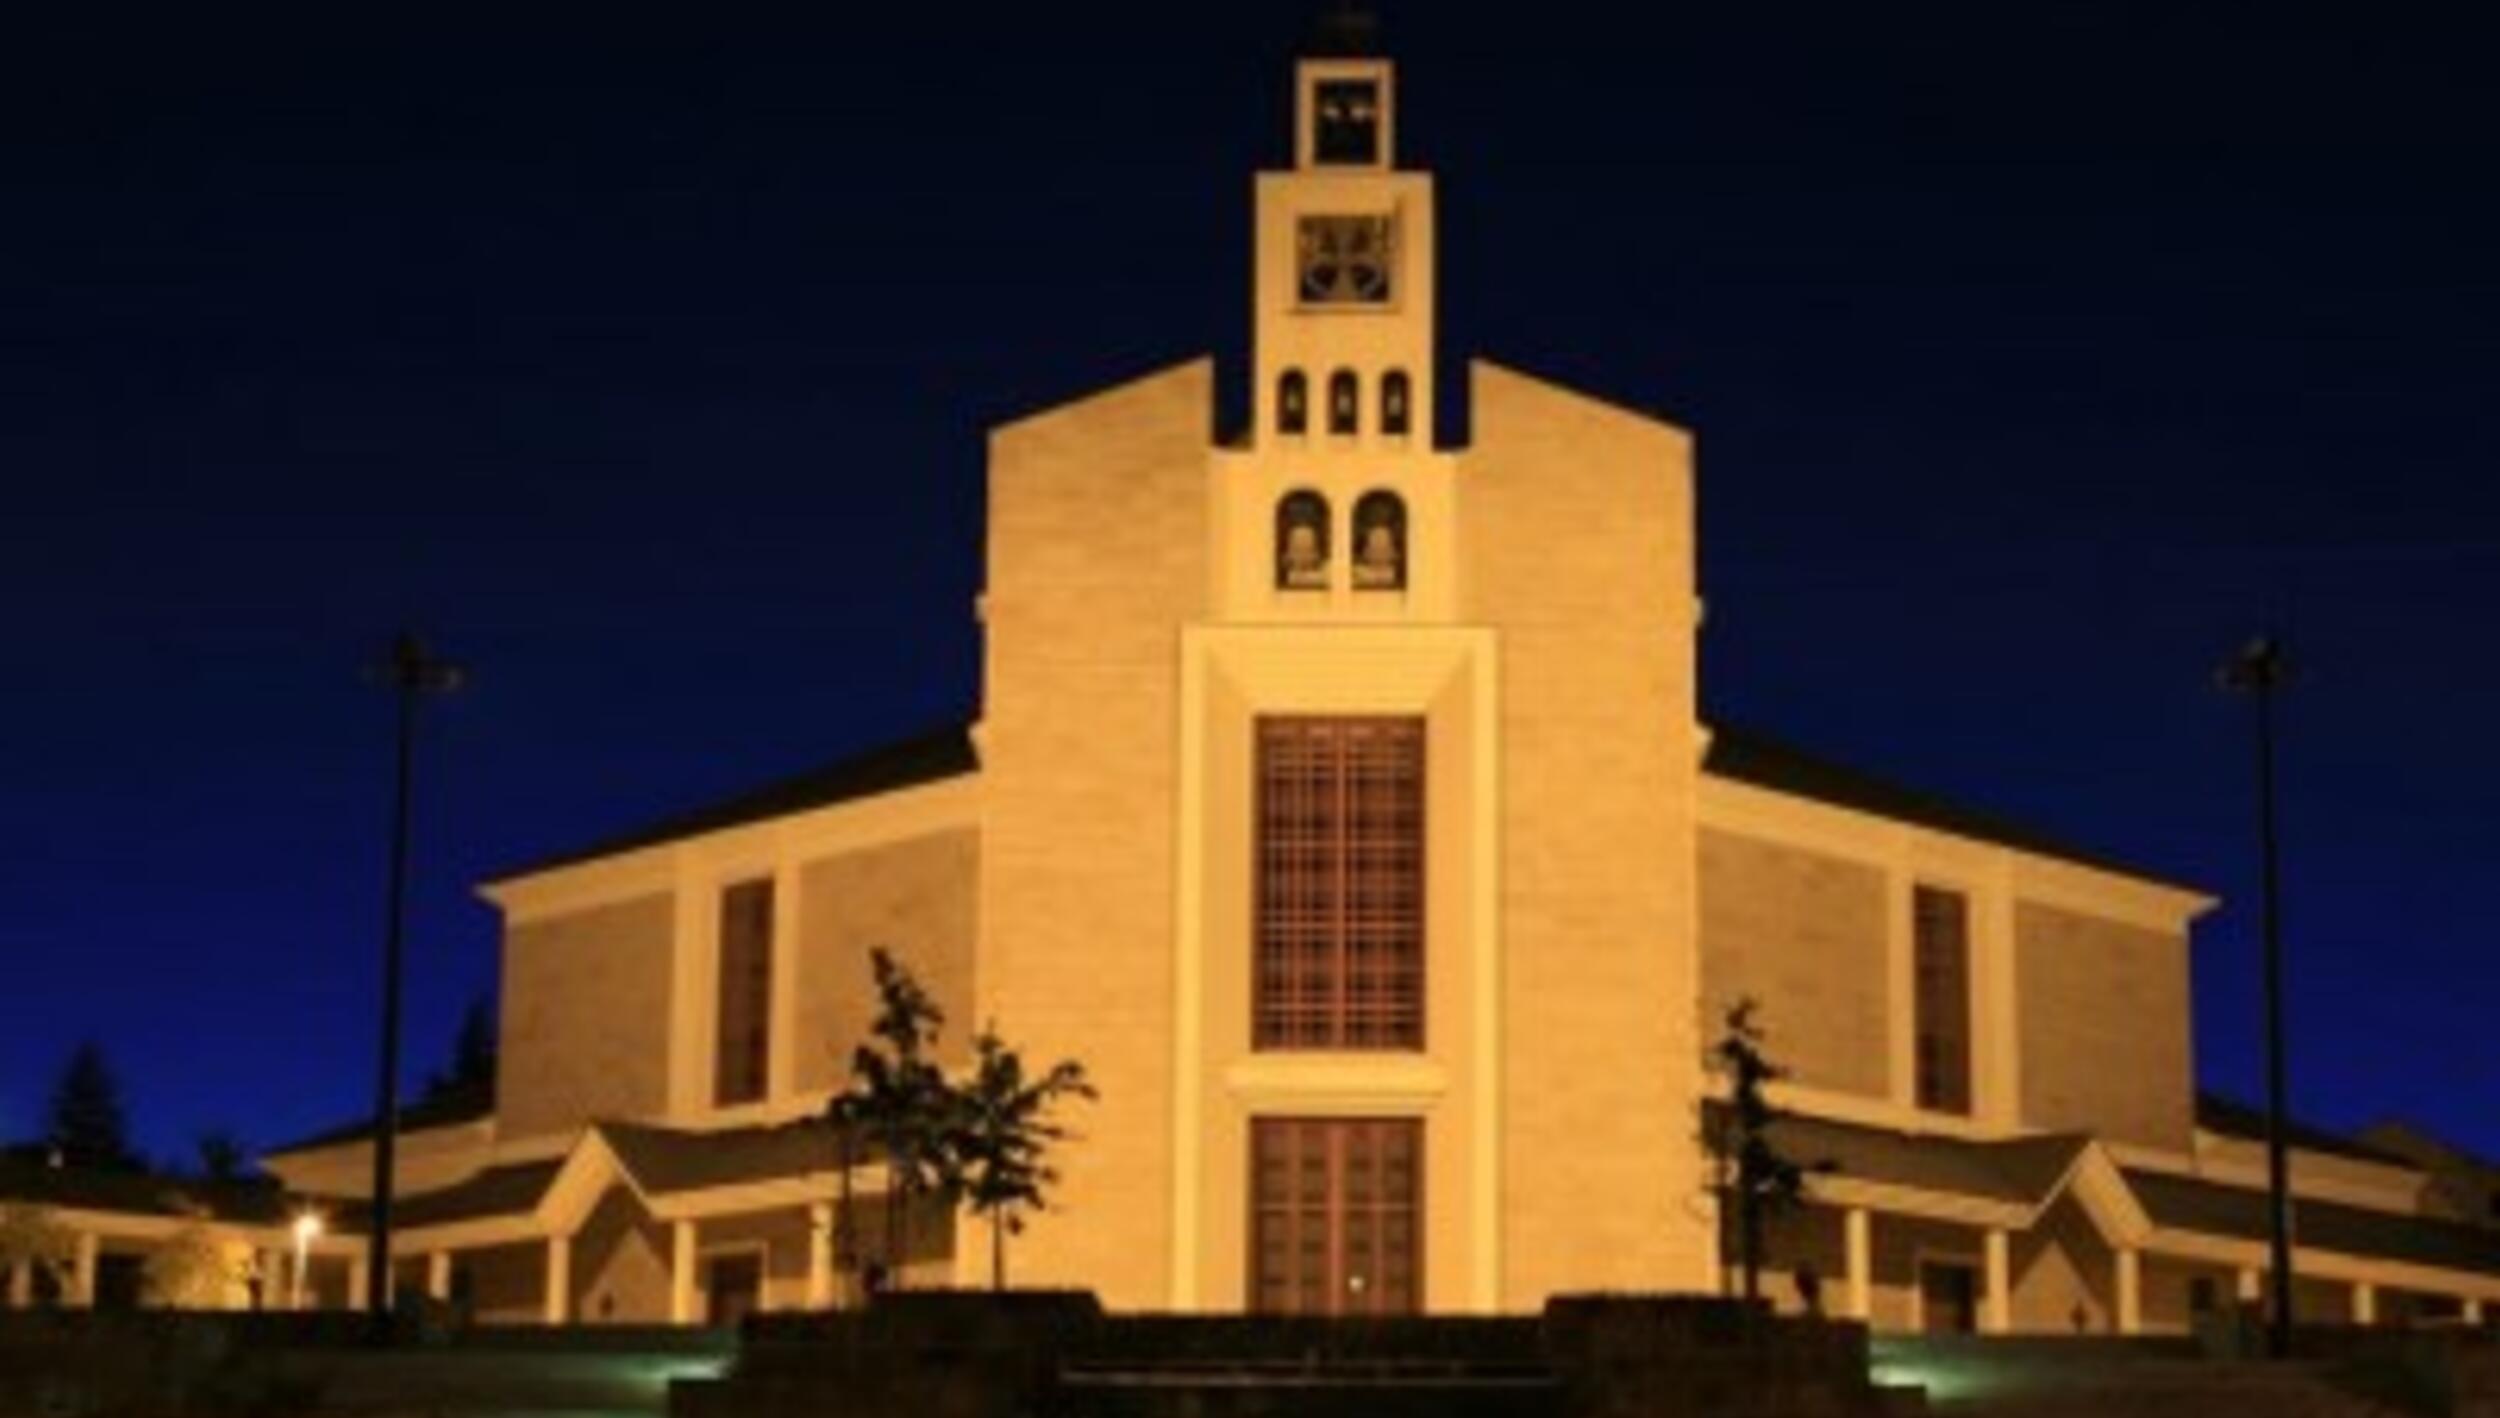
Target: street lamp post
2258	670
411	674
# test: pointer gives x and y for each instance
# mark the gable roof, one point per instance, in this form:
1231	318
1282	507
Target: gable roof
140	1193
2193	1204
2422	1148
1740	755
2229	1117
1736	754
2023	1171
929	758
505	1190
664	1161
449	1107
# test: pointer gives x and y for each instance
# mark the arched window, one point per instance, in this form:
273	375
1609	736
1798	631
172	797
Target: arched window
1380	542
1344	401
1293	402
1302	542
1397	404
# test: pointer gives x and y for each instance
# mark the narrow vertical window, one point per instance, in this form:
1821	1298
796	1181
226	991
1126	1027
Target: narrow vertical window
1940	943
1302	542
1380	542
1397	413
1293	402
743	1043
1344	402
1339	896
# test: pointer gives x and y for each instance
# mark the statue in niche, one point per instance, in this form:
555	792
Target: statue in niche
1302	542
1380	543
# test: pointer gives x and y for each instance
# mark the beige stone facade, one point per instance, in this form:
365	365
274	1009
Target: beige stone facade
2104	1027
585	1017
919	896
1802	934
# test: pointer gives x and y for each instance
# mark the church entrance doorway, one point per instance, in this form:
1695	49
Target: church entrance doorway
1336	1216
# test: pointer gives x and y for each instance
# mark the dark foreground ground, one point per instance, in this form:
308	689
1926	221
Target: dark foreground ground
1057	1356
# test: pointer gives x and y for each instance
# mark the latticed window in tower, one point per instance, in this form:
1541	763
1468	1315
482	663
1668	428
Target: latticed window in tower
1340	891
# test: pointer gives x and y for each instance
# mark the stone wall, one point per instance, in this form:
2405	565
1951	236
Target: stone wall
2065	1278
2103	1020
918	898
1802	933
1576	544
1097	554
585	1018
620	1264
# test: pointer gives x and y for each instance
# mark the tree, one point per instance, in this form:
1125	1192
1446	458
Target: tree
1003	1134
1754	1177
222	1157
191	1269
899	1101
85	1124
472	1070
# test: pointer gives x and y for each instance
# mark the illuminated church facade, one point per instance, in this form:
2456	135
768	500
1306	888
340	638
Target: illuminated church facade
1341	800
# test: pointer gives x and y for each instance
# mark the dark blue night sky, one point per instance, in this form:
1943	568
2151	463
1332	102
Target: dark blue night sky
2037	354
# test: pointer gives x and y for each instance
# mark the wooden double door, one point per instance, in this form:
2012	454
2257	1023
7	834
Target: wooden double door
1336	1216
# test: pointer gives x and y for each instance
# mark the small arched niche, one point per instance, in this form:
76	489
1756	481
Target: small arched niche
1302	541
1380	542
1345	402
1293	402
1397	404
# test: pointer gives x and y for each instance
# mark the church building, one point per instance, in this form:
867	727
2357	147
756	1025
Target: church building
1339	797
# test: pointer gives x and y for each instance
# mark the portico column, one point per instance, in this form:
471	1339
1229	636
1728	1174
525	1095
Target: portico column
356	1275
559	1279
2130	1290
1858	1232
82	1272
2473	1313
820	1256
2252	1289
2364	1303
22	1285
438	1277
1997	1308
681	1266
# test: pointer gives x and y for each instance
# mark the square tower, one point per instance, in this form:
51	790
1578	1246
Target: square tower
1343	288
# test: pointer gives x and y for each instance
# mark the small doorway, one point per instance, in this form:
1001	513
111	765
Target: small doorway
1948	1296
1336	1215
733	1288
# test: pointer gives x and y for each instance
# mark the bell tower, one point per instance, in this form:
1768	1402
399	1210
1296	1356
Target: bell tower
1337	507
1342	326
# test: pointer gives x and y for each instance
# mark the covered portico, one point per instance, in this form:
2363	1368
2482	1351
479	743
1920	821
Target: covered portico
1929	1233
639	1224
79	1237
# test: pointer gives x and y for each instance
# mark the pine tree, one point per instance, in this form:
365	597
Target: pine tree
472	1071
1755	1178
85	1125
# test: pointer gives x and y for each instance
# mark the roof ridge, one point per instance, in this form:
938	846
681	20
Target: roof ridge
1740	753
